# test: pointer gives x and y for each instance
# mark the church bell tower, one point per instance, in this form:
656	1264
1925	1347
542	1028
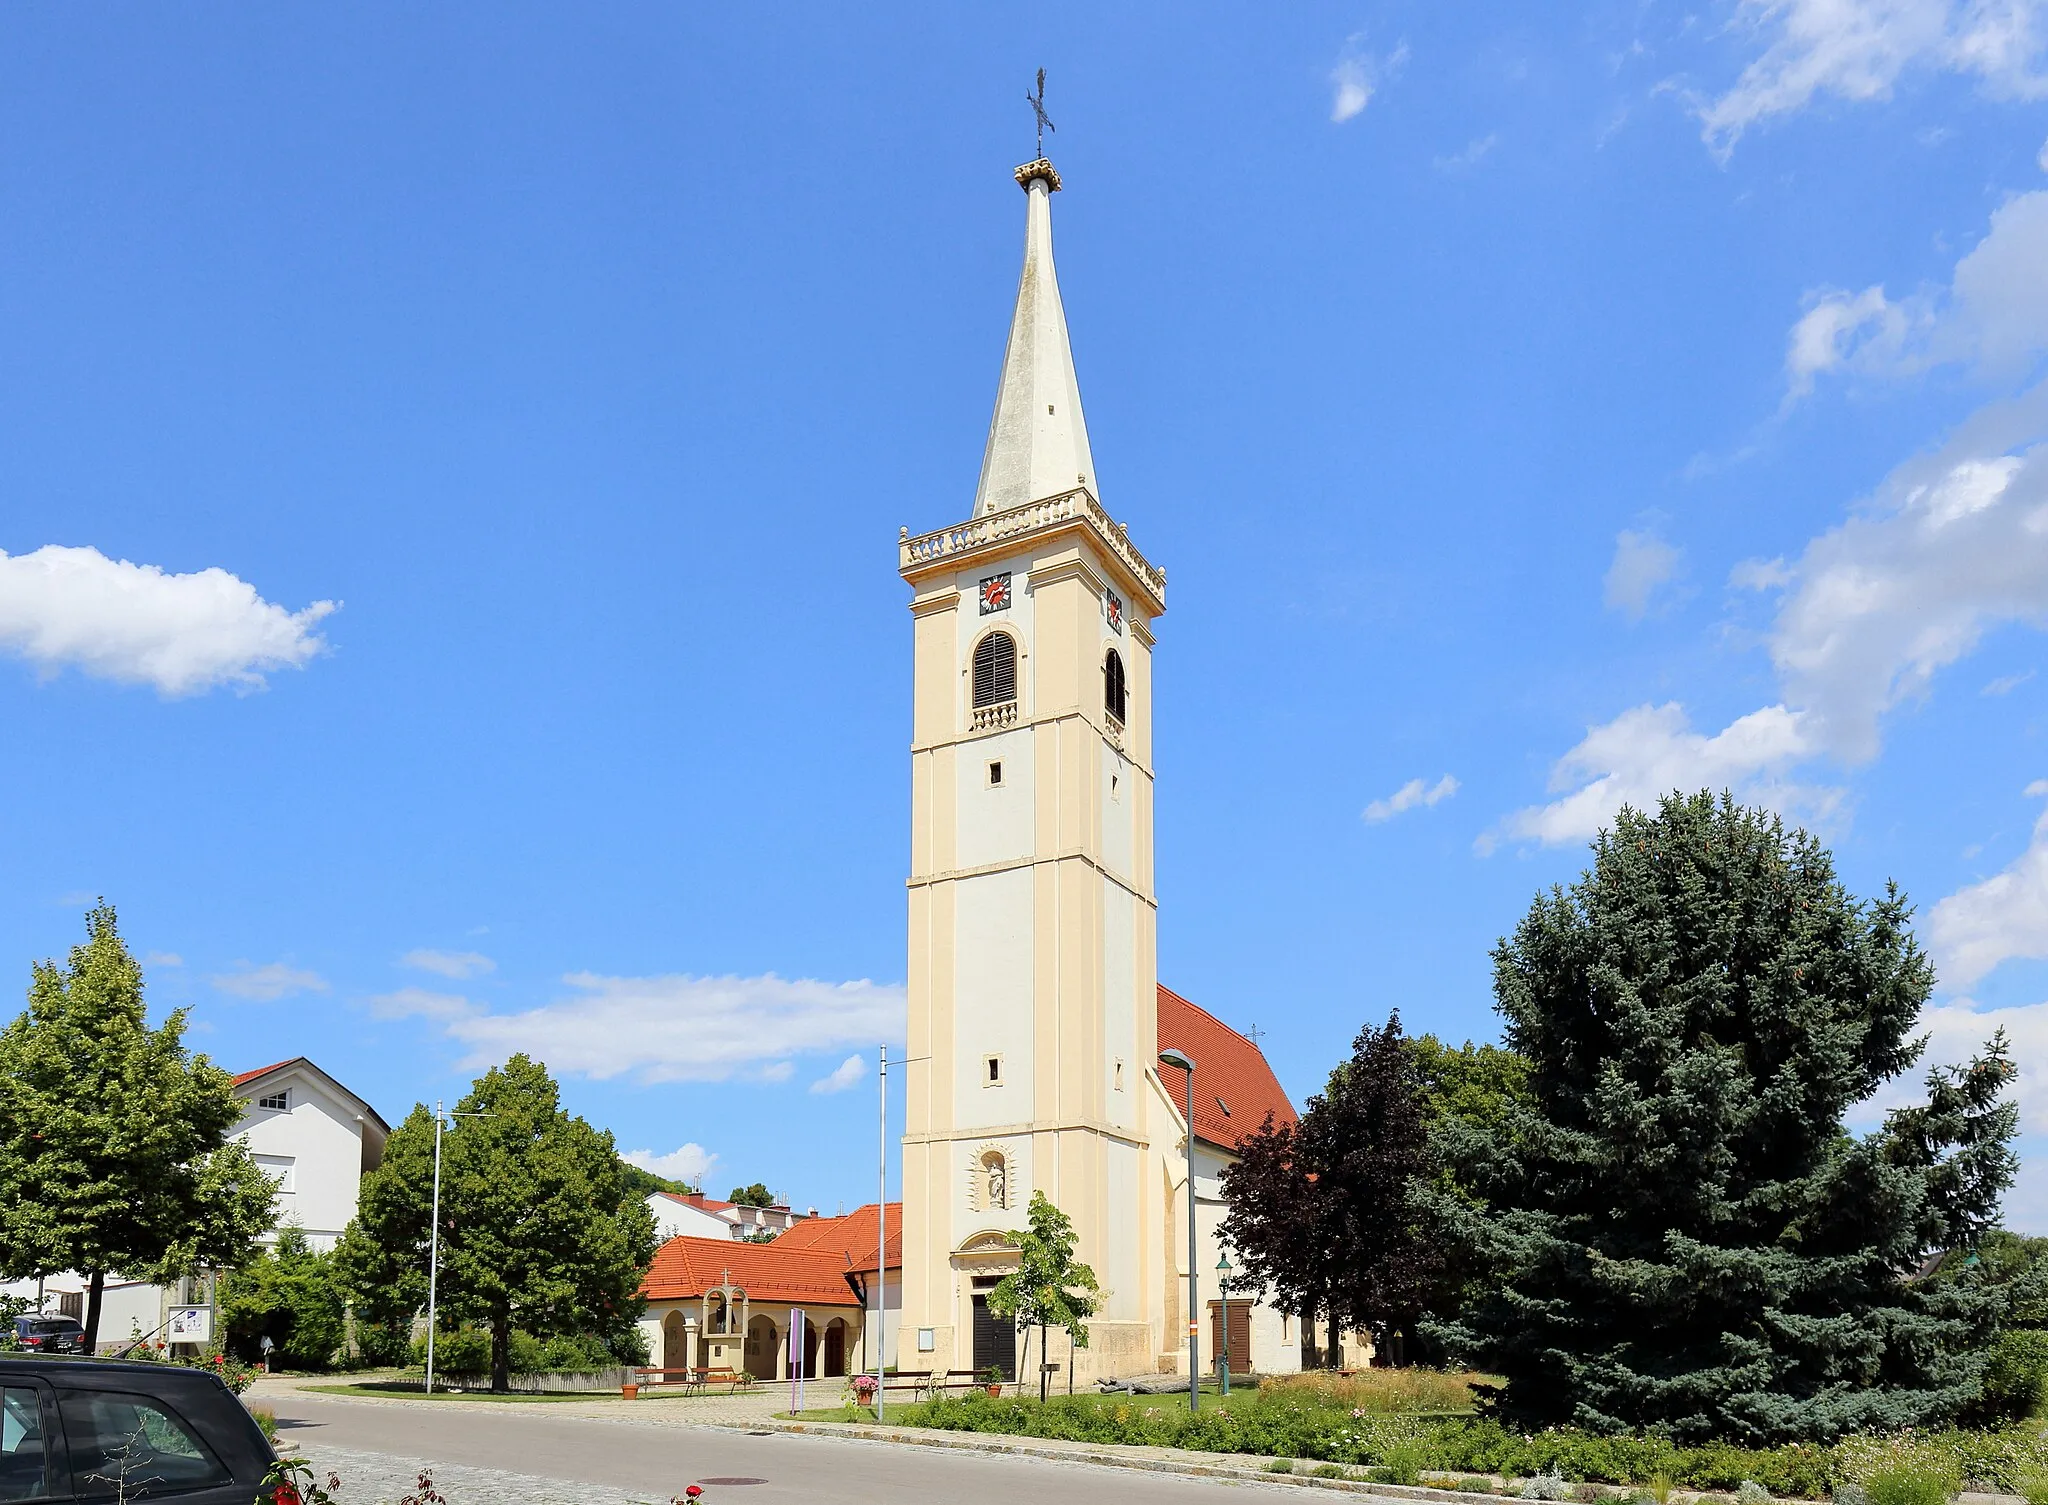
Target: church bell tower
1032	961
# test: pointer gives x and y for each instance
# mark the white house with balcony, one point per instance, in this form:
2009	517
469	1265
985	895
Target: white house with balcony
314	1137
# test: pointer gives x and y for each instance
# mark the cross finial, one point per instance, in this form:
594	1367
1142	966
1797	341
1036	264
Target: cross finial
1253	1034
1037	103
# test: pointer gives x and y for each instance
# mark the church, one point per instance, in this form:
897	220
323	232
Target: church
1036	1015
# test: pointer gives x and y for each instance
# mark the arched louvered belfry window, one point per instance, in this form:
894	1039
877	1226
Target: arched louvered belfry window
995	670
1115	699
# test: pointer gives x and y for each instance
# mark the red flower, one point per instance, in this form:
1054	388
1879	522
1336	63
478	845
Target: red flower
693	1491
288	1494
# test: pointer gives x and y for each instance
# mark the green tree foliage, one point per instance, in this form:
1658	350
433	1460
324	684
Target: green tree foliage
1694	1242
114	1148
756	1195
1321	1211
539	1229
290	1294
645	1183
1464	1088
1049	1288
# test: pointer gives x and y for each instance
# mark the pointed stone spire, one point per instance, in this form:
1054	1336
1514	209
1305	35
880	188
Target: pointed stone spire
1038	440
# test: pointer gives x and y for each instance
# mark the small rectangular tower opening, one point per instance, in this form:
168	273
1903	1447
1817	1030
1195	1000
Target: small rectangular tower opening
995	1071
995	772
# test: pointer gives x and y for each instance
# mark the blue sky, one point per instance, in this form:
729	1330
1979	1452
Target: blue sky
450	467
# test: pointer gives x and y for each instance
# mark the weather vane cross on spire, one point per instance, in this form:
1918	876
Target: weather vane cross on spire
1037	103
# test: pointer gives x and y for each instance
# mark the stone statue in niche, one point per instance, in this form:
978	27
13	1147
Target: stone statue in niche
998	1182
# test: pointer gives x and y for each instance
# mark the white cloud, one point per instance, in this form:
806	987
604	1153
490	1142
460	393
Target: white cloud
1958	1030
1408	796
846	1074
1475	151
1358	76
267	983
691	1163
133	624
455	964
1957	543
2005	684
1760	575
1841	330
1642	562
162	959
421	1003
1646	753
1856	50
1993	315
2004	917
668	1029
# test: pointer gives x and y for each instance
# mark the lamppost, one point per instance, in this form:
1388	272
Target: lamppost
434	1236
1180	1059
1223	1296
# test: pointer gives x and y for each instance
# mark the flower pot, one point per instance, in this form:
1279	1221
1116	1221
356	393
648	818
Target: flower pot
630	1391
995	1392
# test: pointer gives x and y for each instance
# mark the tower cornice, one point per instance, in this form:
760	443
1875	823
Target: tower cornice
1075	511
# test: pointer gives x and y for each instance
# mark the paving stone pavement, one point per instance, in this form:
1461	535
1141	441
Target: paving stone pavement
385	1478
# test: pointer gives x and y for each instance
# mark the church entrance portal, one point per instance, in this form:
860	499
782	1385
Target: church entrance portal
995	1342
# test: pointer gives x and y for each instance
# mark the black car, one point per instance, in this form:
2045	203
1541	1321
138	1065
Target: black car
50	1334
100	1429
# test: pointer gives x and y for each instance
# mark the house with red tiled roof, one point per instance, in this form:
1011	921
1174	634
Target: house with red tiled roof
870	1239
717	1303
693	1213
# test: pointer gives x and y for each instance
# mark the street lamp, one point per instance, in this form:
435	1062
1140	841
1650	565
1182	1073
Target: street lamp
434	1236
1180	1059
1223	1295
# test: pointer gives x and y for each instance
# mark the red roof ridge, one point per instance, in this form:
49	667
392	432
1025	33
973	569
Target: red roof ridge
250	1076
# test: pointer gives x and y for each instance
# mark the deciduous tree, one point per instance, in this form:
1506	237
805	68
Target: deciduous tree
1049	1287
114	1148
539	1227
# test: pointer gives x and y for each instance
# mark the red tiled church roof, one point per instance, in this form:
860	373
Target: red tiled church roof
1234	1087
685	1268
851	1234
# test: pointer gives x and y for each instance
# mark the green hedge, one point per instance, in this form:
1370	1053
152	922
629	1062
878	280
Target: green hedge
1276	1428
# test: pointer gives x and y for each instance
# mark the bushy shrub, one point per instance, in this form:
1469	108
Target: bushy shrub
1546	1487
2015	1378
467	1351
1749	1492
1286	1421
1917	1481
1387	1391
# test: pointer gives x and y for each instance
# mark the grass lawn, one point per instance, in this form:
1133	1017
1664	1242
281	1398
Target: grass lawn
1212	1399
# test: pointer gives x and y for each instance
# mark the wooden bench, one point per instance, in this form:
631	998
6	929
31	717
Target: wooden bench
693	1381
916	1383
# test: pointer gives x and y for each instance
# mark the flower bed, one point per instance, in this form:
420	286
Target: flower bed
1277	1425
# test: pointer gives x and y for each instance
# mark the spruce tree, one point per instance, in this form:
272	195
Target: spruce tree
114	1148
1694	1240
540	1228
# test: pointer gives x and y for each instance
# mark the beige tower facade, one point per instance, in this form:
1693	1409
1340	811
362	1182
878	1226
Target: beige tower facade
1033	917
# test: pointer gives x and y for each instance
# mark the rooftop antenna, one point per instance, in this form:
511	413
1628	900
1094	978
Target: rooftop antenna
1037	103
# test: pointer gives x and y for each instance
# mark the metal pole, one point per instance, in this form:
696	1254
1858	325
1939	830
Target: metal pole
1223	1296
882	1243
1194	1265
434	1249
1181	1060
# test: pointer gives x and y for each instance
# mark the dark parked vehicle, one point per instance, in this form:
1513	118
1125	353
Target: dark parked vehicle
50	1334
100	1429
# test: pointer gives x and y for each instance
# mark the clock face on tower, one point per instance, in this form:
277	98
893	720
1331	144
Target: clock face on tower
1114	608
995	593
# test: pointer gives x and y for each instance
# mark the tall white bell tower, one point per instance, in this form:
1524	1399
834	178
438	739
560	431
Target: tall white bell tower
1032	964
